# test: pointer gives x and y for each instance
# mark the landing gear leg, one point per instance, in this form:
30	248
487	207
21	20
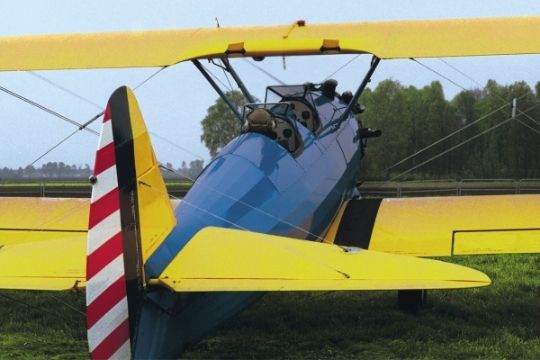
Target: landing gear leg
412	301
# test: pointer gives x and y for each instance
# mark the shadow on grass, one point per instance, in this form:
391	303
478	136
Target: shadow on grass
498	321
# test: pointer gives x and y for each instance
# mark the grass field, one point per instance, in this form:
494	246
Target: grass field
501	321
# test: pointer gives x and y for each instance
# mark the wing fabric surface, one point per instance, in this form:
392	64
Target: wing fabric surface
441	226
218	259
389	40
43	243
44	265
37	219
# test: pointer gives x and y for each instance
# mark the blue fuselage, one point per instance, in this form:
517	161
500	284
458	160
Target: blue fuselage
255	184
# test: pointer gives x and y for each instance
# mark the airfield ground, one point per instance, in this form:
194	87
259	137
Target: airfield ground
501	321
82	188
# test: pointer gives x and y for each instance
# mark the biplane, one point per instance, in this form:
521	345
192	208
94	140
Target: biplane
275	210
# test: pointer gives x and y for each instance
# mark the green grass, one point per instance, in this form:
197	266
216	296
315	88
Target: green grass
501	321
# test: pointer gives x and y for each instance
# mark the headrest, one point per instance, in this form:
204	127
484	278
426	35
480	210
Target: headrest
259	117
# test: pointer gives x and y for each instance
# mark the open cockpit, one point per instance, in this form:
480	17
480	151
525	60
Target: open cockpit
286	108
275	120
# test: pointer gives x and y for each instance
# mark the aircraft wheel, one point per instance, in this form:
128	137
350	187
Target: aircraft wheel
412	301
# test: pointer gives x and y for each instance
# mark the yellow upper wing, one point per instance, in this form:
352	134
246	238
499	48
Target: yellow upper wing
442	226
390	40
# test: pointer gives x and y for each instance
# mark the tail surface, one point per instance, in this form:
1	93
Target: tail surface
130	215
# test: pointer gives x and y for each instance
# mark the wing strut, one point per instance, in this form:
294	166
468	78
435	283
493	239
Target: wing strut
211	81
238	81
374	62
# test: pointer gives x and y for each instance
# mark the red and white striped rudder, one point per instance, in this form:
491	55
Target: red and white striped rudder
106	295
127	222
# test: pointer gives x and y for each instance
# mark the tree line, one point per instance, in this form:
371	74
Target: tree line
492	139
62	171
489	143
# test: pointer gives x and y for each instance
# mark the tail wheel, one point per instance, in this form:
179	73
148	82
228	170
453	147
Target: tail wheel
412	301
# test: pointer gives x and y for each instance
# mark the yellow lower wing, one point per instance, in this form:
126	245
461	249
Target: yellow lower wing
44	265
218	259
43	243
441	226
444	226
40	219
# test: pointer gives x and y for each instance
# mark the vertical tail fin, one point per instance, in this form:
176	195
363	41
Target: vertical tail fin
130	215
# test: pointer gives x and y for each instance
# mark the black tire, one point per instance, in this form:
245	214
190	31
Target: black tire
412	301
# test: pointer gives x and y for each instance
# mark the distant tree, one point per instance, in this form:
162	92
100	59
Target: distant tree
386	109
29	170
220	125
412	119
195	168
50	169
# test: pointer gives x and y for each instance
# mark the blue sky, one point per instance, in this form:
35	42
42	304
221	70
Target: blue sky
175	101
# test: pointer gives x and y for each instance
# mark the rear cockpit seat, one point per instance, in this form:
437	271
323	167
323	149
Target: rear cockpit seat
305	114
262	121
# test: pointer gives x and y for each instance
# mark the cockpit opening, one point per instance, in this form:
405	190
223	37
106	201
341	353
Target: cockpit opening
301	101
305	114
274	121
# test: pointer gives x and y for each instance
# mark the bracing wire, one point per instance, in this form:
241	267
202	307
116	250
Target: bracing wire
528	126
55	146
276	245
94	118
449	149
460	72
226	76
457	146
24	303
218	79
47	110
261	211
462	128
497	95
67	305
64	89
446	137
150	77
342	67
439	74
267	73
175	145
193	180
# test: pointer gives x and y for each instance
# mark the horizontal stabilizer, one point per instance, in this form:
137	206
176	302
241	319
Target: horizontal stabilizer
218	259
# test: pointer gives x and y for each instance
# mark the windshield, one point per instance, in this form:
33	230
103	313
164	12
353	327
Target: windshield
282	109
